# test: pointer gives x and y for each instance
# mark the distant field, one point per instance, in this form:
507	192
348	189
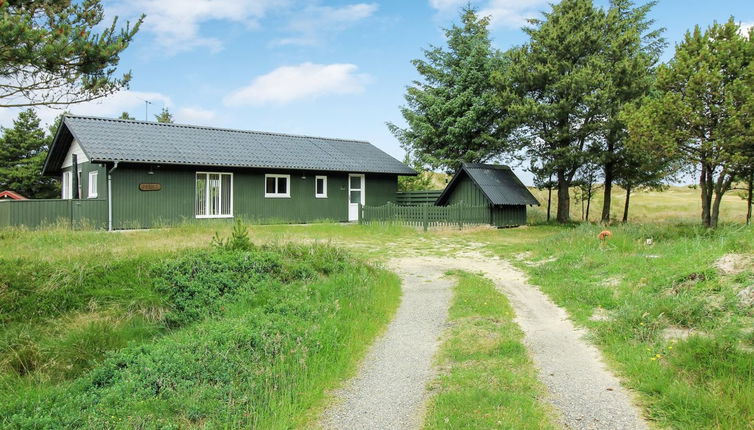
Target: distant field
674	205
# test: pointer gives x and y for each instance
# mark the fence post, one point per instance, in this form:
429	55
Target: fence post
460	216
390	213
360	215
425	217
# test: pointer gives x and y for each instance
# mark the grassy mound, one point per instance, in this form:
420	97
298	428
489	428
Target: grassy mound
219	337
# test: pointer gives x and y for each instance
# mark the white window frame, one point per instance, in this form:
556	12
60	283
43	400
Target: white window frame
277	195
67	183
206	194
93	186
324	187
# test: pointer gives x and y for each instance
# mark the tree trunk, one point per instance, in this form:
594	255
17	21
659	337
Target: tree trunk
705	183
748	198
549	198
607	201
628	201
564	198
588	201
721	186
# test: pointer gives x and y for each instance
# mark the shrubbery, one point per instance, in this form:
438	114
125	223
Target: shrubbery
253	337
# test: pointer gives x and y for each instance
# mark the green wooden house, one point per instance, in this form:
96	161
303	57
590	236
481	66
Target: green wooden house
135	174
496	187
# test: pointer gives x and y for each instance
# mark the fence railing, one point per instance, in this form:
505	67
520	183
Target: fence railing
35	213
412	198
426	215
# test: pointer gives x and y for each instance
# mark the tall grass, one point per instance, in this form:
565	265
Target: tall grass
219	338
631	293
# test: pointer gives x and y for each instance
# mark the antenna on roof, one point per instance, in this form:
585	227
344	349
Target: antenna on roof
146	107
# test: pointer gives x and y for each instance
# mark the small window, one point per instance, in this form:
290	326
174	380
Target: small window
320	187
277	186
66	186
92	185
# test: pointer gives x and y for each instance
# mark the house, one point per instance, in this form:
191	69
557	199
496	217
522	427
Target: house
10	195
146	173
496	187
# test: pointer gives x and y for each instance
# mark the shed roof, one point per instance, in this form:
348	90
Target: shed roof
110	140
11	195
498	183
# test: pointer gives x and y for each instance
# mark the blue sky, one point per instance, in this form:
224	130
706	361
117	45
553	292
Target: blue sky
327	68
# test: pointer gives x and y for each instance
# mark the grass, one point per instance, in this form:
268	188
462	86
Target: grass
194	338
677	204
70	301
487	379
631	295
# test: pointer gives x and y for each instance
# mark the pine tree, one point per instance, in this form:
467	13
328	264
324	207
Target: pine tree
557	77
454	114
23	149
630	54
702	112
51	54
164	116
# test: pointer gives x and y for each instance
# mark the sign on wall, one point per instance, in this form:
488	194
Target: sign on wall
150	187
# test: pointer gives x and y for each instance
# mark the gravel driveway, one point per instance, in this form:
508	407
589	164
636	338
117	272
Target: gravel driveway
389	391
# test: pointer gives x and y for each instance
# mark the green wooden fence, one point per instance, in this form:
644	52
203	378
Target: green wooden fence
413	198
36	213
426	215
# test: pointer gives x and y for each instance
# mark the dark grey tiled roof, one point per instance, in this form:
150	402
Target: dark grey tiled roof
149	142
498	183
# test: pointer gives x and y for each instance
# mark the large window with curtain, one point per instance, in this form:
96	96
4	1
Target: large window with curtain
214	195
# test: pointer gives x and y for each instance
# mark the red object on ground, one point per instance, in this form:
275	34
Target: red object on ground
11	195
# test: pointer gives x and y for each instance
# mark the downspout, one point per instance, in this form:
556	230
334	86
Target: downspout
110	197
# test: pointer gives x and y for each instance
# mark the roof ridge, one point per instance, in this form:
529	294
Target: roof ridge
165	124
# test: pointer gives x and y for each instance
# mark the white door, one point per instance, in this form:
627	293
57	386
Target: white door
355	195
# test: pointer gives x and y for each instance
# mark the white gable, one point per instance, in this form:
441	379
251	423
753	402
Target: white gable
74	149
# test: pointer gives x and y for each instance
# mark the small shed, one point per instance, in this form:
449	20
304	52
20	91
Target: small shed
494	186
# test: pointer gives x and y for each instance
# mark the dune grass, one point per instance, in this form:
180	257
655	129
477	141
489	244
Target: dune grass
487	379
149	338
676	204
668	320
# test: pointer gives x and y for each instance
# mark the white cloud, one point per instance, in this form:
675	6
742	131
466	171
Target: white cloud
502	13
112	106
176	24
444	5
309	24
304	81
109	107
195	115
745	28
513	13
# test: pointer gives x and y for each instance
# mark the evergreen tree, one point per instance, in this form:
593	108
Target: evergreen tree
557	77
23	149
702	112
631	52
50	53
164	116
453	114
126	115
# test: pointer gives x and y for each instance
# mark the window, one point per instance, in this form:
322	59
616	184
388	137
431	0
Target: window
277	186
320	187
214	195
66	185
93	185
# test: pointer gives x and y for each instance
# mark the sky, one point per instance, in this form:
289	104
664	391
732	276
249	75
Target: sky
313	67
